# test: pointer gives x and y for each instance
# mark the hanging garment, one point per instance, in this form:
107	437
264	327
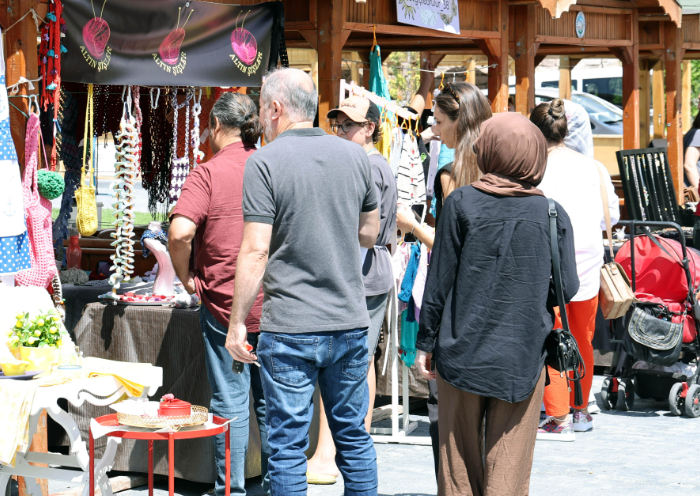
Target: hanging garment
377	81
38	217
433	167
395	150
410	181
410	275
14	242
86	219
407	343
419	282
384	143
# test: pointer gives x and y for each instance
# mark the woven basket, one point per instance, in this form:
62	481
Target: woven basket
199	416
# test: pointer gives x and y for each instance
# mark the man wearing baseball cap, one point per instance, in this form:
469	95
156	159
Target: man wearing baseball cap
357	119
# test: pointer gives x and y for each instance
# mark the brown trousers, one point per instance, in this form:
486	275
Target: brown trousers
486	445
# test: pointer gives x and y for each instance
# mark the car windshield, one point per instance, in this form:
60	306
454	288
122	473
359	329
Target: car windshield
598	110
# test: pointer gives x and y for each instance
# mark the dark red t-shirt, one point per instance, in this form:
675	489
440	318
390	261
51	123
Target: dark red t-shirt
211	197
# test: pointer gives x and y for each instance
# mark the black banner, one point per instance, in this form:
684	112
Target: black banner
166	42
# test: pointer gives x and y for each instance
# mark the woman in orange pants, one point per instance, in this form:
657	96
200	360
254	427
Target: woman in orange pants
577	183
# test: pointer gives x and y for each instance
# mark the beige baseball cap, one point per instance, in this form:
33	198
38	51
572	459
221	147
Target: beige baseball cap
357	108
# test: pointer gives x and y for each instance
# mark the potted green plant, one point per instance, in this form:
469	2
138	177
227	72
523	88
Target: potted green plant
37	339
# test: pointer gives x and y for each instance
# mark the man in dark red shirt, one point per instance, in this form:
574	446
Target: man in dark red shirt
209	212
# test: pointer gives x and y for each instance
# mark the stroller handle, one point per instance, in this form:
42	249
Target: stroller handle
663	225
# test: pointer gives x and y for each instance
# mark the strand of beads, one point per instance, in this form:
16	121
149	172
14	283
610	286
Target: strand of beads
123	194
180	165
197	154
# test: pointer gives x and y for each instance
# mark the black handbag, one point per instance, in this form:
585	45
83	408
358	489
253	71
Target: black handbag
651	336
562	350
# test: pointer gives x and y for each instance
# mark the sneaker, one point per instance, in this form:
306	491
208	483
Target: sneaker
582	422
593	407
550	431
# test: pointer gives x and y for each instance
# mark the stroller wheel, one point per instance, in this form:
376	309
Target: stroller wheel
692	401
607	395
675	402
625	395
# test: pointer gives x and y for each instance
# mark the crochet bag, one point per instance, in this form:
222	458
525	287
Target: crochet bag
86	219
38	210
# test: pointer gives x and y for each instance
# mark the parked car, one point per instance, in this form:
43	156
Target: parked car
606	118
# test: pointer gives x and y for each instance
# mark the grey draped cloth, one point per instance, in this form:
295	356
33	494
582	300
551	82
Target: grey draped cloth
168	338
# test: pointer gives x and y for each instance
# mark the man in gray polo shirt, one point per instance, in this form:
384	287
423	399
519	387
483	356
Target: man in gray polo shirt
309	203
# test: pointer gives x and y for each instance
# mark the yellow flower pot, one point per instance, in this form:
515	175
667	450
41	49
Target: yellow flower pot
39	358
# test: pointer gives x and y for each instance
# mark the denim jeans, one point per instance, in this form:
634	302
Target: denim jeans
230	394
291	365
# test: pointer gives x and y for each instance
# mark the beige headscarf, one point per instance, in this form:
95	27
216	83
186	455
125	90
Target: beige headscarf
512	153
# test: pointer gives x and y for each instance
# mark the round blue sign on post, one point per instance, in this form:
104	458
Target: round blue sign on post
580	24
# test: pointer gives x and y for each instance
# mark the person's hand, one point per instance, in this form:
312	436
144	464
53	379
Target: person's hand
189	284
428	134
405	219
237	344
427	75
423	360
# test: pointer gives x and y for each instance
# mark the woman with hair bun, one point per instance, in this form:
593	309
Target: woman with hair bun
574	181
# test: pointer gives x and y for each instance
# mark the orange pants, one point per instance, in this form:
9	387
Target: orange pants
557	398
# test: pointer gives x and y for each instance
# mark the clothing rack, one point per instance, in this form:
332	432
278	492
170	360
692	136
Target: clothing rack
394	434
348	89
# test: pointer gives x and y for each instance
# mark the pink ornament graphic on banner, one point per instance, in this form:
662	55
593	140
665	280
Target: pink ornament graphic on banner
96	34
244	43
170	47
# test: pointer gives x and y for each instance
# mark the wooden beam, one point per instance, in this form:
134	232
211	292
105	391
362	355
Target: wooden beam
471	67
674	133
658	93
300	26
330	46
565	67
686	89
525	52
539	58
311	36
417	32
21	57
498	58
565	40
630	87
364	57
644	103
39	442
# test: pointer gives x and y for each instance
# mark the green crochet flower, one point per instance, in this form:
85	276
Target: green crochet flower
50	183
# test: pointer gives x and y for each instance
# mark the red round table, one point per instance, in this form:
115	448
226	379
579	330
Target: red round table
191	433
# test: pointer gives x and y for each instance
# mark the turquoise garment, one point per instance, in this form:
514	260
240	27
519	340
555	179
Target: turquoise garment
407	343
377	81
446	156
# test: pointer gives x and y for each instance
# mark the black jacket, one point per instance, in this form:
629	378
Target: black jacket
485	312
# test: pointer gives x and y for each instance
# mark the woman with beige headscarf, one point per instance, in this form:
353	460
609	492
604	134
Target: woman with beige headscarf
486	315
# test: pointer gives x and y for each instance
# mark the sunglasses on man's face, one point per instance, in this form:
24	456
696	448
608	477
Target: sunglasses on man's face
346	126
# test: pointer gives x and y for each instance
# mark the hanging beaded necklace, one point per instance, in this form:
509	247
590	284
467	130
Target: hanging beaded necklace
197	155
180	167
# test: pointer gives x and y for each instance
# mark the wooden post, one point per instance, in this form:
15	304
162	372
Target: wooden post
497	52
39	445
630	85
686	88
658	95
644	103
674	133
21	57
331	38
565	77
525	51
364	56
471	67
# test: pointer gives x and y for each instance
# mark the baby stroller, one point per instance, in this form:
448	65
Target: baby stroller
659	334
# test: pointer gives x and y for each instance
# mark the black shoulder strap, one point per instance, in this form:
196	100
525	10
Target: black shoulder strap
556	263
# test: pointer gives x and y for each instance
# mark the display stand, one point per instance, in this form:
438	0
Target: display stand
648	185
395	434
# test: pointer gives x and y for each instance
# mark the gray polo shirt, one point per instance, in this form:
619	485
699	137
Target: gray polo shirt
311	187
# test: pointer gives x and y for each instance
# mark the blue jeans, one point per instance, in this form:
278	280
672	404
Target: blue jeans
230	394
291	365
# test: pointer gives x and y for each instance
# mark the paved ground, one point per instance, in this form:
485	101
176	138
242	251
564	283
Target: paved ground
644	452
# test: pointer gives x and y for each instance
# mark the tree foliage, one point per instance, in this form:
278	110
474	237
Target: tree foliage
403	78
